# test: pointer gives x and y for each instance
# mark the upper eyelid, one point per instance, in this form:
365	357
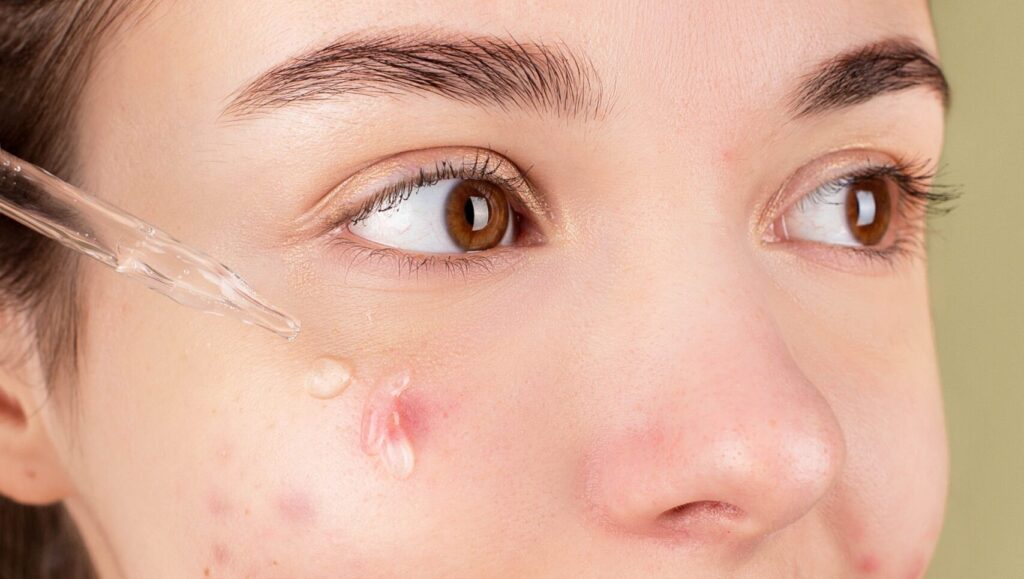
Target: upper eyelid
347	198
484	166
835	167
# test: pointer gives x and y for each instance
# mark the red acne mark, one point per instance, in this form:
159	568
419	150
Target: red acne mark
295	507
30	473
218	505
412	413
419	413
221	555
868	564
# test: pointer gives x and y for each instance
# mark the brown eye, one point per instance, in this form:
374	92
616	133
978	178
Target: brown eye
477	214
869	209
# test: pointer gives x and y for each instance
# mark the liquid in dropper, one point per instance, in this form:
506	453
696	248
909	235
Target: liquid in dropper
131	246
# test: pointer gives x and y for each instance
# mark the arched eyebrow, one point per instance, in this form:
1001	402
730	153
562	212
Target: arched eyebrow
868	72
544	78
478	70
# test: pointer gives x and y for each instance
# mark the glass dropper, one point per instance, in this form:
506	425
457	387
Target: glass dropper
131	246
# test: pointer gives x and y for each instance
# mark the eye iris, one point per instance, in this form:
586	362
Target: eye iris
869	210
477	214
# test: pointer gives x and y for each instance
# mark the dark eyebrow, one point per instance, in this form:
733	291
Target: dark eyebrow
862	74
476	70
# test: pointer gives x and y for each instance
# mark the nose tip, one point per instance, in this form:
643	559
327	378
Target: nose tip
732	485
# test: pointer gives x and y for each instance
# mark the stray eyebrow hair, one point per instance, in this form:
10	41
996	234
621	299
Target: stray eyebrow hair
477	70
865	73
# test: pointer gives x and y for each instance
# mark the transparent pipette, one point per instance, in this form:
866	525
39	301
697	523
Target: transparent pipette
131	246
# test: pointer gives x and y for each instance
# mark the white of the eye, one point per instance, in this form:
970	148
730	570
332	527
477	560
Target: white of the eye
821	217
481	212
865	208
419	222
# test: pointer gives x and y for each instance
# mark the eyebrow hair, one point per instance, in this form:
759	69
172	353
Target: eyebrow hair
476	70
864	73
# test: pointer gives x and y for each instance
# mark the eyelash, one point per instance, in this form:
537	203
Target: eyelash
919	199
484	166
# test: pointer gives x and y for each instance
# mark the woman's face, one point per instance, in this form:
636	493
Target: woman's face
701	347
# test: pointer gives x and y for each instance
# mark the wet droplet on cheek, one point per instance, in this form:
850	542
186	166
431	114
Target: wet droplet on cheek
383	433
328	377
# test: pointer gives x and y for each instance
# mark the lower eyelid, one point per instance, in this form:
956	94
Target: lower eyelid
904	250
394	263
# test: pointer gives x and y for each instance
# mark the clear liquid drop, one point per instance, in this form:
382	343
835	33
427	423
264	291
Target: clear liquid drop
328	378
382	433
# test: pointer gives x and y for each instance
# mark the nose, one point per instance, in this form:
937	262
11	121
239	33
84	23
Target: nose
720	438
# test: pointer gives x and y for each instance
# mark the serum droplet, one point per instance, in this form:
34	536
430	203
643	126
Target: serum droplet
328	378
382	432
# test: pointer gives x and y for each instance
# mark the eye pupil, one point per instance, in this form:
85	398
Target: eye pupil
869	210
477	214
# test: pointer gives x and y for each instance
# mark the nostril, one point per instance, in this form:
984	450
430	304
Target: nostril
700	514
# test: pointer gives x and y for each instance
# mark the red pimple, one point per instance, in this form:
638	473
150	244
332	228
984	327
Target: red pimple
218	505
868	564
295	507
412	411
221	554
420	413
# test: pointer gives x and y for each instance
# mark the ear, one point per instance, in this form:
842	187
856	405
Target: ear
31	471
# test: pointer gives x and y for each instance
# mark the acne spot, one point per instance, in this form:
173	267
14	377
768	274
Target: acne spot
221	554
31	474
328	377
295	507
384	424
868	564
218	505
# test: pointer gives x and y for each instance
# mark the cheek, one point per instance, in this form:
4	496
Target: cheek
892	499
288	489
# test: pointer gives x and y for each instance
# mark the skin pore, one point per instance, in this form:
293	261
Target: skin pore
652	380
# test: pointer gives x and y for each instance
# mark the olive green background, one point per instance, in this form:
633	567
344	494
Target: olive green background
977	274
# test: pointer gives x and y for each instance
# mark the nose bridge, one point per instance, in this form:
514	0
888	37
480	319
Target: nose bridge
710	428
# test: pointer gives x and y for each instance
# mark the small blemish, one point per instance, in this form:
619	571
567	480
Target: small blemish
218	505
295	507
221	554
868	564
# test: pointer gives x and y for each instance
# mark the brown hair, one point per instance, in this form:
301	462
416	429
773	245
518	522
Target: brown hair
46	50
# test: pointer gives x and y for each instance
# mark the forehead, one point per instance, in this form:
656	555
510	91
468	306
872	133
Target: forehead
693	55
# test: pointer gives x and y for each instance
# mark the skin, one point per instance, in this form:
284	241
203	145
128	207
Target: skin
784	397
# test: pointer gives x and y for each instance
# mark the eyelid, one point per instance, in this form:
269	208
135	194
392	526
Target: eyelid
831	168
345	200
